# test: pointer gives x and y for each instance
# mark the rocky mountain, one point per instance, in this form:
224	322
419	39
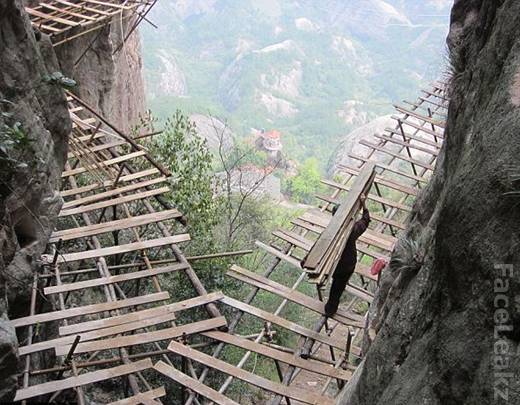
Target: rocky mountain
313	69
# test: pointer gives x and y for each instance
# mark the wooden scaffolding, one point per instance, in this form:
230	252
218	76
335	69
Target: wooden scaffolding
394	169
65	20
101	288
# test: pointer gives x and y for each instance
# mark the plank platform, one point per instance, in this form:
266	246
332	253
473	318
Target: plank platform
284	357
129	247
192	384
80	285
143	338
82	379
292	295
284	323
142	398
89	309
111	226
307	397
140	315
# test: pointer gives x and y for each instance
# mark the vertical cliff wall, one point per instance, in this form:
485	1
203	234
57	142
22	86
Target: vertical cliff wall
108	80
448	330
34	125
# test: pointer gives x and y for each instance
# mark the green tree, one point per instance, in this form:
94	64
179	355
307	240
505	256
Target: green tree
304	186
185	153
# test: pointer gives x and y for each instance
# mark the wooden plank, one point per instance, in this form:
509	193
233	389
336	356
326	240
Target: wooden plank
378	240
360	293
307	225
192	384
109	5
389	168
67	11
50	17
284	357
427	100
292	295
387	221
286	258
89	309
110	226
382	181
373	254
364	271
140	315
424	129
402	110
372	197
142	397
407	144
115	250
284	323
82	379
80	285
396	155
294	239
345	213
316	217
110	193
417	138
114	201
168	316
143	338
105	163
93	149
298	394
108	183
84	7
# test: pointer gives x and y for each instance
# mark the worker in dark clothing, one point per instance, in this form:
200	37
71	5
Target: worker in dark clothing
347	262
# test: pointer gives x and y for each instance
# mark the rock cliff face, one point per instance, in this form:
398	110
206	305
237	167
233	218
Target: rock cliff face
109	77
33	136
449	324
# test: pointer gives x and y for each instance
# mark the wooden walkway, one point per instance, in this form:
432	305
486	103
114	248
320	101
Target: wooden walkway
395	167
100	297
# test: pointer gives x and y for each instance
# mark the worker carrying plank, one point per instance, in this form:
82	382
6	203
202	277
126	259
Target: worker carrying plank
347	262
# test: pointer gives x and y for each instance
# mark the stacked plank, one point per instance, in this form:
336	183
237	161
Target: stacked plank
65	20
116	242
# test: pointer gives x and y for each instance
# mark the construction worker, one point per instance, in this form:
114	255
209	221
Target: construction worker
347	262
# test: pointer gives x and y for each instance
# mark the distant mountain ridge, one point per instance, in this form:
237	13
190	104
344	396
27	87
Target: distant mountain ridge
312	69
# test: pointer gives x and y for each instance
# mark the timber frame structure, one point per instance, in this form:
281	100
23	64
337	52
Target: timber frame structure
100	312
65	20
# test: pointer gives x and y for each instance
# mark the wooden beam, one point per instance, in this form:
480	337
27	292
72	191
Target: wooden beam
67	11
345	213
275	252
114	201
141	398
82	379
89	309
84	7
115	250
389	168
438	123
284	357
292	295
108	183
407	144
298	394
436	145
396	155
284	323
294	239
106	163
80	285
166	316
110	193
140	315
143	338
50	17
426	130
192	384
111	226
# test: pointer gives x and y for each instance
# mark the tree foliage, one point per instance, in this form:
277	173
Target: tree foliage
304	186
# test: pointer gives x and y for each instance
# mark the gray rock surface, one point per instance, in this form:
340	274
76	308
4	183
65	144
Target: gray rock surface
29	202
448	329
